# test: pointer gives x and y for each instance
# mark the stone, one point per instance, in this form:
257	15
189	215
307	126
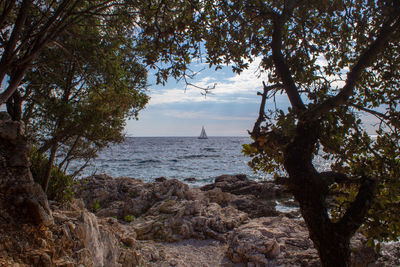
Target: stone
160	179
20	155
254	207
129	241
196	228
272	241
240	185
10	130
4	116
167	210
389	254
30	204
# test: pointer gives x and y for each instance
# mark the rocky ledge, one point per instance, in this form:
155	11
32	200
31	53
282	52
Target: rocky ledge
126	222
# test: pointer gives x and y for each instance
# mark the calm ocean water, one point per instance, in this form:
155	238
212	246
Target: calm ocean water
148	158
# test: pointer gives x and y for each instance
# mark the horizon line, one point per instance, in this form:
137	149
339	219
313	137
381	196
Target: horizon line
187	136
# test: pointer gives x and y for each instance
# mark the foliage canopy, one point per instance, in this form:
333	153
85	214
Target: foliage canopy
335	60
338	62
81	91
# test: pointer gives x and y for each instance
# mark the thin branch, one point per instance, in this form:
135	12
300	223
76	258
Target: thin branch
261	113
279	61
364	61
354	215
370	111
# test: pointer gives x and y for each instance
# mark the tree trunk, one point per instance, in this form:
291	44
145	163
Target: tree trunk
49	166
332	244
14	106
310	190
335	252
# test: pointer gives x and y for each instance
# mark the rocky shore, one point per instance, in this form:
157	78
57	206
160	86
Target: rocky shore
126	222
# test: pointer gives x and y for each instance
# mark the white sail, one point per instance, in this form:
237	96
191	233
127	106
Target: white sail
203	134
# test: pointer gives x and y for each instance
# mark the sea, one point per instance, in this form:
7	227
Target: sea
148	158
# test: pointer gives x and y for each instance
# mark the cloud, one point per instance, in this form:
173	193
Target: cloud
177	95
230	87
204	114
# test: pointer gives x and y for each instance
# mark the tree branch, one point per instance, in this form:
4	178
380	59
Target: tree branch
331	177
8	52
261	114
370	111
8	6
355	214
364	61
279	61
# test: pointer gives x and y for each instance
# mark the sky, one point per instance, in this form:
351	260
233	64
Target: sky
230	110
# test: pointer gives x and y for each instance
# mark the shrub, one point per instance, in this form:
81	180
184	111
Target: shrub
60	184
129	218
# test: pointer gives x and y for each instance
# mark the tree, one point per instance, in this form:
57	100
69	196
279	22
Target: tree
334	60
28	26
80	92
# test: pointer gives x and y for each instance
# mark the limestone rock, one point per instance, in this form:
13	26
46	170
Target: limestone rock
240	185
272	241
201	229
250	204
23	198
389	254
20	155
174	221
10	130
4	116
167	210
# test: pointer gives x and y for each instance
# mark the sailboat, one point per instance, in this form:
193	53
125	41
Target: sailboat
203	134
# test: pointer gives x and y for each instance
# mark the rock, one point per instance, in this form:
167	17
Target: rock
83	239
11	130
4	116
20	155
21	196
129	241
272	241
160	179
362	255
389	254
254	207
247	203
174	221
167	210
240	185
188	219
216	195
130	258
30	204
190	179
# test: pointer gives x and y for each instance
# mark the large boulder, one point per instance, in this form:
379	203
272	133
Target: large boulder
272	241
240	185
20	196
167	210
109	197
84	239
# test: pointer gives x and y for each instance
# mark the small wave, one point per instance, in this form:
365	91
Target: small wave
149	161
210	149
198	156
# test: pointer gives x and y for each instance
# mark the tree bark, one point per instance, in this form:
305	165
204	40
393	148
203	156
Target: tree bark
310	188
49	167
14	106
